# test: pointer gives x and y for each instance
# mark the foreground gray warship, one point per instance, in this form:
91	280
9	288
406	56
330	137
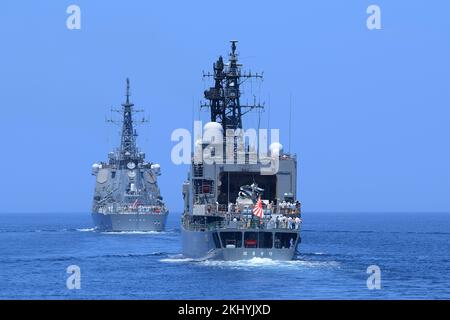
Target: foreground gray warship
127	196
234	208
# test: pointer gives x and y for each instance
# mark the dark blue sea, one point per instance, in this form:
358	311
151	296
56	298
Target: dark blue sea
412	251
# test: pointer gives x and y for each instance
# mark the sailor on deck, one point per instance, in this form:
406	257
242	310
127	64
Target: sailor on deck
297	223
290	223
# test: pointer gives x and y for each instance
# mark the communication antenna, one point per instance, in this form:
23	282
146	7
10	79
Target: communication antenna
290	120
268	114
193	113
224	98
127	123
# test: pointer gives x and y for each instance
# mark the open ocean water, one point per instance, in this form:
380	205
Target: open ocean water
411	249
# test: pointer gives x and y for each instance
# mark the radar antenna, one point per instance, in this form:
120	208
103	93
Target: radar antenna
224	97
128	149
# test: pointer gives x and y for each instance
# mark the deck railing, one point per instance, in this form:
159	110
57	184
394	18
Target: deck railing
246	223
131	209
222	209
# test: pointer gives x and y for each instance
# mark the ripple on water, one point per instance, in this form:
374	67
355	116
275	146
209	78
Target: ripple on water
253	263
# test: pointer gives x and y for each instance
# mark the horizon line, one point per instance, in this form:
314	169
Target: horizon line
180	212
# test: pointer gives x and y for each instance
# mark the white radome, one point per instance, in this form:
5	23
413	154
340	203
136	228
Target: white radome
95	168
212	133
156	168
276	147
212	126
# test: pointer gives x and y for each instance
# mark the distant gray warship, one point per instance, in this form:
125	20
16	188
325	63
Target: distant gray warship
127	196
233	208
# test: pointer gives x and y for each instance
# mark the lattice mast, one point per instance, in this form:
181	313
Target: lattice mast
128	135
128	150
224	97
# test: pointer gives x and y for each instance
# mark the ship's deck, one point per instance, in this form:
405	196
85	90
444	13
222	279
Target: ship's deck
130	209
218	221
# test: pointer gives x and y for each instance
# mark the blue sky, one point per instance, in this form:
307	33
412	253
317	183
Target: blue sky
370	108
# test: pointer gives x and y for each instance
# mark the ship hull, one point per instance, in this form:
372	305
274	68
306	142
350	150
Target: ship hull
201	245
129	222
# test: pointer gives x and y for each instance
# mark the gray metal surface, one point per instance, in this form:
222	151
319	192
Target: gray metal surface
127	196
129	222
200	245
220	195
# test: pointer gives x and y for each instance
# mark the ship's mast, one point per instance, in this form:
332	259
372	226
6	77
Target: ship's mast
224	97
128	137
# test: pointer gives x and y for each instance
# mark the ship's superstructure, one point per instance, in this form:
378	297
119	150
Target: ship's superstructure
239	202
127	196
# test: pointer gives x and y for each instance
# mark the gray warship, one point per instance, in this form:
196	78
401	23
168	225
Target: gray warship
235	208
127	196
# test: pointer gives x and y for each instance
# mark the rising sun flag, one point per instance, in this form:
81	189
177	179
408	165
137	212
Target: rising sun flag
257	209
